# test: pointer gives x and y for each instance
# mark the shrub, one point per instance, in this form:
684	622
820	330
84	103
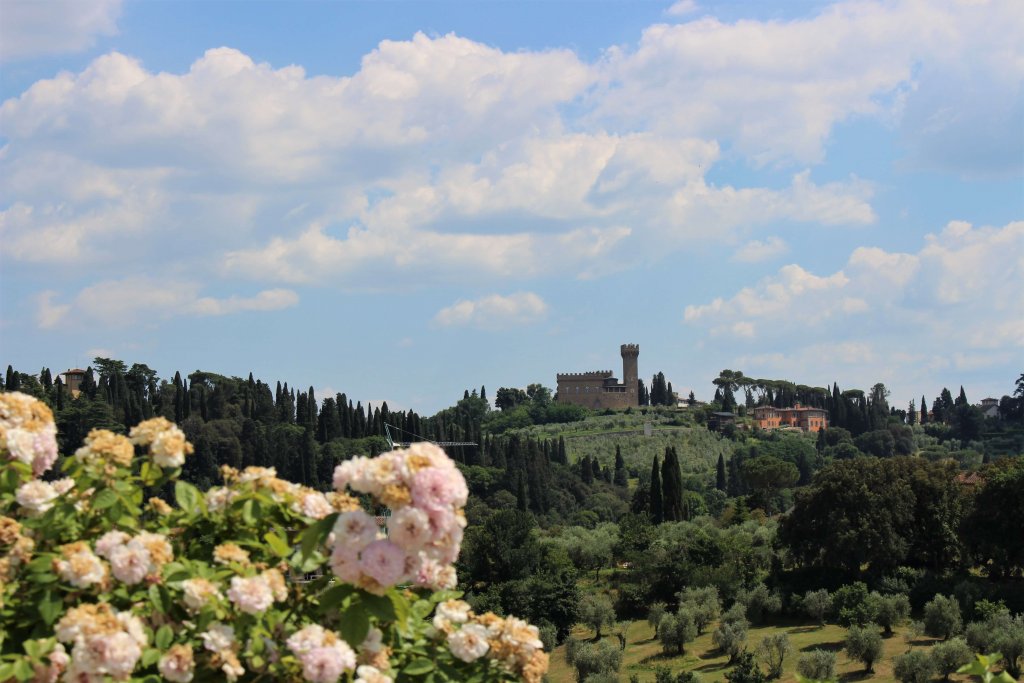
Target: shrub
772	651
942	617
817	605
950	655
818	665
864	644
596	658
703	604
1009	641
889	610
850	605
731	634
915	666
760	602
745	671
141	589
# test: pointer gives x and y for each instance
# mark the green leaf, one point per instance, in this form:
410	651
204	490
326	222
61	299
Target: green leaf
379	606
159	599
418	667
23	670
355	624
104	499
248	513
188	497
50	606
277	544
334	596
317	533
164	637
151	656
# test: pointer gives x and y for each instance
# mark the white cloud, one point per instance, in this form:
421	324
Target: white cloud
494	311
35	28
681	8
777	89
140	300
756	251
953	305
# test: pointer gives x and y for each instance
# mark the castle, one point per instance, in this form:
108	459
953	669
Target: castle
601	389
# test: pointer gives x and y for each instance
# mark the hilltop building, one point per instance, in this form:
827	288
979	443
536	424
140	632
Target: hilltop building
601	389
73	381
800	417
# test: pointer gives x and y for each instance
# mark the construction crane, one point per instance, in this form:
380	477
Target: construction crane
405	444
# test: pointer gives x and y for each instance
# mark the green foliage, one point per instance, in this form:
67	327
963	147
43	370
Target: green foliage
654	615
942	617
817	665
997	517
817	604
851	606
864	644
596	612
702	603
759	603
594	658
731	635
674	631
915	666
950	655
888	610
772	652
878	512
745	670
982	668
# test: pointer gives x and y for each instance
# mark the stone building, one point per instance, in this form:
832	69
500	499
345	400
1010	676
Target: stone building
601	389
73	381
801	417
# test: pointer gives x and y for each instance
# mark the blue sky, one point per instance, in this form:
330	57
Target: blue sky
402	200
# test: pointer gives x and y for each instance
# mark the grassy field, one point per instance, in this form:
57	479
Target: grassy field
598	437
643	654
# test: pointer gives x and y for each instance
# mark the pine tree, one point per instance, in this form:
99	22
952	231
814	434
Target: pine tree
721	482
657	509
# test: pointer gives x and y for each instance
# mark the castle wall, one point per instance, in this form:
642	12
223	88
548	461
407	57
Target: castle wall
600	389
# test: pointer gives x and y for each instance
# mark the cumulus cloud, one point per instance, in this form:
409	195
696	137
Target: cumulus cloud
756	251
34	28
777	89
884	314
140	300
494	311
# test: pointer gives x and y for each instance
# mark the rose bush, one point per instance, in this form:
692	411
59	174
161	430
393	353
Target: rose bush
258	579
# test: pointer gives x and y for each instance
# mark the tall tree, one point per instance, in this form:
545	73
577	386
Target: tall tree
924	410
721	481
672	487
657	506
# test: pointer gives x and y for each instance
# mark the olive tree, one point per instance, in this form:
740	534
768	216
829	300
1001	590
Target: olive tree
864	644
817	604
942	617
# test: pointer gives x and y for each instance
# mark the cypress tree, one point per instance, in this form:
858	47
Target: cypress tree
657	509
621	477
596	467
586	470
671	487
721	482
924	410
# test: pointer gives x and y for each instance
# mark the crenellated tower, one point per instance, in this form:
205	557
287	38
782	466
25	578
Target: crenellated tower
630	353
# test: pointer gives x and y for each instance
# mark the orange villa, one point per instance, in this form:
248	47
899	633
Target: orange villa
800	417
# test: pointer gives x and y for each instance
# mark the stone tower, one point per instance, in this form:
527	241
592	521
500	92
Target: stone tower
630	352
